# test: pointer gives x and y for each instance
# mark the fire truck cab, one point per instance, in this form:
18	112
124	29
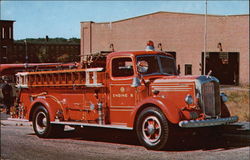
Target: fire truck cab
137	90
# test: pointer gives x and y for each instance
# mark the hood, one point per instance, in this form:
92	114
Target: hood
198	80
164	79
194	78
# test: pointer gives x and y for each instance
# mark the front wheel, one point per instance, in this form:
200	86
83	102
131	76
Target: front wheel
224	111
42	126
152	129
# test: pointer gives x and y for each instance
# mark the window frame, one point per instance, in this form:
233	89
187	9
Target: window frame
186	66
124	77
3	33
10	32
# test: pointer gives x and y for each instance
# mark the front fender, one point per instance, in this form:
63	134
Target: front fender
171	113
51	106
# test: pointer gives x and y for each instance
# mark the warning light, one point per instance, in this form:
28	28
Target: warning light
150	46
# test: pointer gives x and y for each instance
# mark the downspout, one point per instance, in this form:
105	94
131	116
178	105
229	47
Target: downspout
82	57
90	37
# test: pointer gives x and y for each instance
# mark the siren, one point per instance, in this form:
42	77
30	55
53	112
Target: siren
150	46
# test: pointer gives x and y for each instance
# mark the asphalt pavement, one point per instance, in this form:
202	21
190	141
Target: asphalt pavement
18	141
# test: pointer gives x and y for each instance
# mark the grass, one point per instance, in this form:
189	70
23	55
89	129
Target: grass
238	104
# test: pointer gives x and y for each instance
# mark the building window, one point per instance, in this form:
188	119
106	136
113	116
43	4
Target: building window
10	33
3	33
188	69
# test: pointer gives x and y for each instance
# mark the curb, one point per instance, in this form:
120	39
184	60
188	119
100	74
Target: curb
15	123
21	122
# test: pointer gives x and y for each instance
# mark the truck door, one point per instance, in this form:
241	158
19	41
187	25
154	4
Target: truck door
122	97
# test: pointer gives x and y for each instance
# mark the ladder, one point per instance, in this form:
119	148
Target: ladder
90	77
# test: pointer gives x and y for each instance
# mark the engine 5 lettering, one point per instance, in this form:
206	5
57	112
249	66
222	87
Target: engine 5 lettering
122	95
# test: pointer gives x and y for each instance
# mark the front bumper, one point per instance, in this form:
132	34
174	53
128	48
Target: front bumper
208	122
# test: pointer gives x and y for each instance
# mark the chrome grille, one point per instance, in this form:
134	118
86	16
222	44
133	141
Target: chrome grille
211	99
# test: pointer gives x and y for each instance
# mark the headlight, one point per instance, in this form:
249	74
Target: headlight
189	99
224	97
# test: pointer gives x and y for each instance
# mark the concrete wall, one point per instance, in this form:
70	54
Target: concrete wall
182	33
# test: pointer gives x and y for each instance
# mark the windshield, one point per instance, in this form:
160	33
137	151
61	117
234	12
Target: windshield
157	64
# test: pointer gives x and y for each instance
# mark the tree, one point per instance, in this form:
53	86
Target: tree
43	55
63	58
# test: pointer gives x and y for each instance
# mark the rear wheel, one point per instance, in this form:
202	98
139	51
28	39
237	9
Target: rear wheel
152	129
42	126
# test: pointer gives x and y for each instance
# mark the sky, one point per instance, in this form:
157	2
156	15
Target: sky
56	18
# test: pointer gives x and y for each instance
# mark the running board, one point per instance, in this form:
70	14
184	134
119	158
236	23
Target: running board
93	125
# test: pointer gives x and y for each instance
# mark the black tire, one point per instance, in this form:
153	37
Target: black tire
42	126
152	129
224	111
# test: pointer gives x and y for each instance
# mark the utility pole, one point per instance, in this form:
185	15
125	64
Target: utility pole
205	40
26	51
46	46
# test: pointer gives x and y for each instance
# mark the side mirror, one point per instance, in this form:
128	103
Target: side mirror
136	82
142	66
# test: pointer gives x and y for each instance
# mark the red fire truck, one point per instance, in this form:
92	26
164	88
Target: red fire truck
138	90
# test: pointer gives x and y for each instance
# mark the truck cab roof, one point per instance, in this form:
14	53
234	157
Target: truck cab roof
136	53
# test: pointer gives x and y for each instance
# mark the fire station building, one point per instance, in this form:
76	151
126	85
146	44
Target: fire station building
182	35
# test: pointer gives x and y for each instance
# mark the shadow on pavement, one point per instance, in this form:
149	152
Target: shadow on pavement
184	139
103	135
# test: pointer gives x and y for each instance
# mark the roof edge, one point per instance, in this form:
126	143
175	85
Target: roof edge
7	20
197	14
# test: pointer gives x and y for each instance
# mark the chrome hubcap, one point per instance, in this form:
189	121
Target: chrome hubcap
151	129
41	122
